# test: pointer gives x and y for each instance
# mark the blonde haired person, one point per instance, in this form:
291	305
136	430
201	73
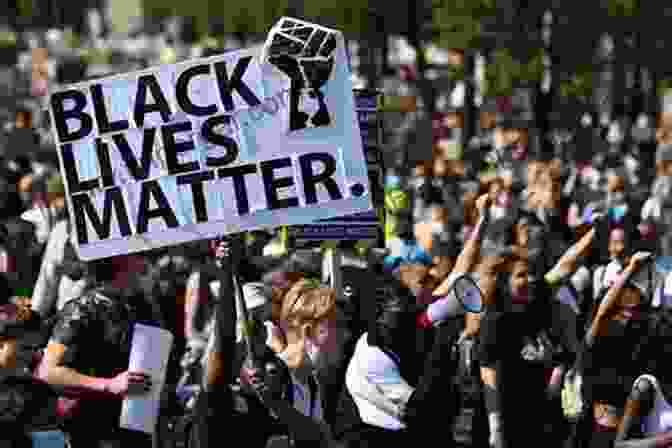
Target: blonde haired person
308	318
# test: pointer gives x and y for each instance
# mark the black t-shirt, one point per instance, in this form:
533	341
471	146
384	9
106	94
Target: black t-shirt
26	405
97	331
613	362
233	415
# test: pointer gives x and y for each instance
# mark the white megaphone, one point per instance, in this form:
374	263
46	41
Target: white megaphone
464	296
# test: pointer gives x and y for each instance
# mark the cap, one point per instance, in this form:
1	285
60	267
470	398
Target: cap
16	320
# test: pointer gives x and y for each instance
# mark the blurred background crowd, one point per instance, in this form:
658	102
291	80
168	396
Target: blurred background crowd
561	108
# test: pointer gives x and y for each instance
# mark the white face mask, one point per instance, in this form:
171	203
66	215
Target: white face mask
438	228
322	359
313	352
615	135
586	120
417	181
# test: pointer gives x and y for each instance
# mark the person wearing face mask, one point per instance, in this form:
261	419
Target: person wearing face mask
247	391
391	395
611	359
604	276
45	200
521	342
392	391
308	318
61	273
512	138
615	202
656	213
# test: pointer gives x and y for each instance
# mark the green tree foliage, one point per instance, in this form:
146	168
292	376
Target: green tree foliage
249	16
355	17
25	7
460	23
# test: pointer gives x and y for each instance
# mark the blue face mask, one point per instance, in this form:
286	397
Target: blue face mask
616	214
415	254
392	181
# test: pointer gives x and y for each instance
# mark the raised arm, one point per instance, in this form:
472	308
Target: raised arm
438	310
220	370
472	248
567	264
70	332
45	293
613	295
196	315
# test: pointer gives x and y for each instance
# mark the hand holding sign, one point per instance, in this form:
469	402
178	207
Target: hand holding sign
129	384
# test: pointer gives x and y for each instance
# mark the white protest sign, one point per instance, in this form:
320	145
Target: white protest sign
150	351
255	138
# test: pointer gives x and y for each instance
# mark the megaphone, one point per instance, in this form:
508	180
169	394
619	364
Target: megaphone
468	294
464	296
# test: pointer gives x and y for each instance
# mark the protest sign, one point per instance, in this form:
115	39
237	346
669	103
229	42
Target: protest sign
150	352
360	226
256	138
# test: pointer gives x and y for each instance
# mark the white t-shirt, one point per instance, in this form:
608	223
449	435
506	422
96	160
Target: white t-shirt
375	383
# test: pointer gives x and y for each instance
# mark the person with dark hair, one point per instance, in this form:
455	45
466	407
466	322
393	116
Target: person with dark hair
22	143
392	389
100	321
522	341
612	357
61	272
646	421
27	405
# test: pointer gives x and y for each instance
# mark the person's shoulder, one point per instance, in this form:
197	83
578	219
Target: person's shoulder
372	358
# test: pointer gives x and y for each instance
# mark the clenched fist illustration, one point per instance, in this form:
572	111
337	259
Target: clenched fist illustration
305	53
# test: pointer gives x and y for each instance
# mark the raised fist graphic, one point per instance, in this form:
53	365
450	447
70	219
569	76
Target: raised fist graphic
304	52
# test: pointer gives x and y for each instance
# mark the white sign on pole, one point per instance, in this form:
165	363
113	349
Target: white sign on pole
256	138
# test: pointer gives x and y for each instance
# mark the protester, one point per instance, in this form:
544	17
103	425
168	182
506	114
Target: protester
611	360
99	321
388	397
259	406
549	256
27	405
645	421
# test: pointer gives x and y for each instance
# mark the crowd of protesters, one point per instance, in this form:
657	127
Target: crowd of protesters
558	234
